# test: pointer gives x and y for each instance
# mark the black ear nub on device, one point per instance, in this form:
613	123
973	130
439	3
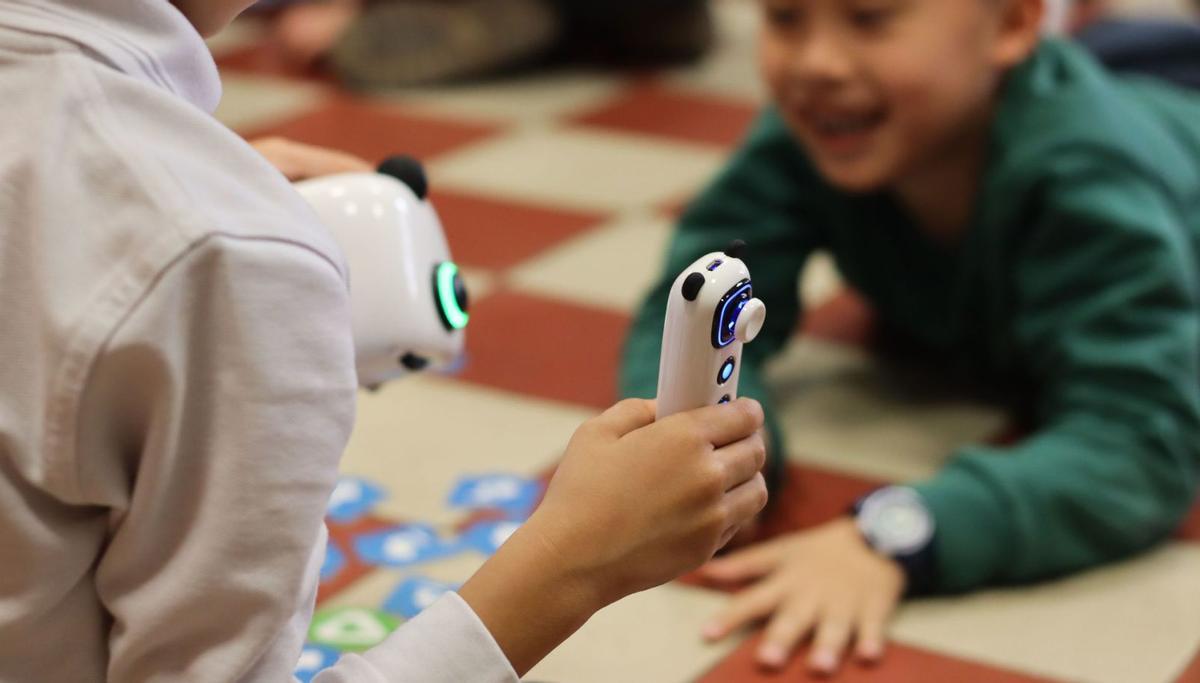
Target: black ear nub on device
408	171
692	285
735	249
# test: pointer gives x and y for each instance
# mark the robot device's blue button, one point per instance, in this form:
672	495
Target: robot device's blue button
726	370
724	399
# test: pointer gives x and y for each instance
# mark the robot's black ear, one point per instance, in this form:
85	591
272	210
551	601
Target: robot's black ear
736	249
408	171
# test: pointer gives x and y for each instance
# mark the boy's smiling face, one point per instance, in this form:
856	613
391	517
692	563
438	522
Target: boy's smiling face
878	89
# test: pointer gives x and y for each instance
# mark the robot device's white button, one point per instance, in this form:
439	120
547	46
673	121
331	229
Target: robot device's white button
751	320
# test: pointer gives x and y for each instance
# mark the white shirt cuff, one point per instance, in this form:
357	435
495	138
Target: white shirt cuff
447	643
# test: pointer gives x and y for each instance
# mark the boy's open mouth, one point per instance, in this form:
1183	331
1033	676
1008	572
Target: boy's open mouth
843	133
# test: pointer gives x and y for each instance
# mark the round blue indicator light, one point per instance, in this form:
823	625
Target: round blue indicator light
726	371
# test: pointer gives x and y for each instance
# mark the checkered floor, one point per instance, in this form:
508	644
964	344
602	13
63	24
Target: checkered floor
558	191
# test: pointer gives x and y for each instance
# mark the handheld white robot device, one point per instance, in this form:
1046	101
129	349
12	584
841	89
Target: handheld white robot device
408	300
711	313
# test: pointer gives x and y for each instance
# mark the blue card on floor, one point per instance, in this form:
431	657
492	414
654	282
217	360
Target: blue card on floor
403	546
334	563
414	594
352	499
487	537
511	493
313	660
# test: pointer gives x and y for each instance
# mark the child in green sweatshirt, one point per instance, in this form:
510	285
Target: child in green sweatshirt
1007	204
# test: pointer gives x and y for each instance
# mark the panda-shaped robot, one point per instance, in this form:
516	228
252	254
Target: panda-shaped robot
408	299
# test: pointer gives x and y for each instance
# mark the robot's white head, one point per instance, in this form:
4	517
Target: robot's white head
409	302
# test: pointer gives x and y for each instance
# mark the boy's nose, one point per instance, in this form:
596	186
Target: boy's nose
821	58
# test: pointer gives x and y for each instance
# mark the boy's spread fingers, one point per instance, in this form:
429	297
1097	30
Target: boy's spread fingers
833	634
746	607
869	647
742	460
788	626
872	628
730	422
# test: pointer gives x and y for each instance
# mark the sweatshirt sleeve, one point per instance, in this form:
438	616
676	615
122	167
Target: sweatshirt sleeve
1106	318
763	196
229	392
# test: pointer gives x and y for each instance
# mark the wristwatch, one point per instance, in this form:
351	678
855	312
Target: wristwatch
895	521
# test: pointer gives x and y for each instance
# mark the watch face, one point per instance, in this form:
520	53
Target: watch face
895	521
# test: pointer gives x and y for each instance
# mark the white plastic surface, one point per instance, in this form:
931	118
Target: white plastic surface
393	242
690	364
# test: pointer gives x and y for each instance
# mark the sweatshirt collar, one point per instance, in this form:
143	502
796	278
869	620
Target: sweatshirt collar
149	40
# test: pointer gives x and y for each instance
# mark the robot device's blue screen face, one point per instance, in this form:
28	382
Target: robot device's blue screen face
728	310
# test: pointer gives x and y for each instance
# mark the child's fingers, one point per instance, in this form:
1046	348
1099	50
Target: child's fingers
791	623
722	425
742	460
747	564
833	634
298	161
627	416
872	626
746	500
744	608
312	161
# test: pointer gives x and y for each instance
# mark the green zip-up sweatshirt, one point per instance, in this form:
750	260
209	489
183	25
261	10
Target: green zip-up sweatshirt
1077	280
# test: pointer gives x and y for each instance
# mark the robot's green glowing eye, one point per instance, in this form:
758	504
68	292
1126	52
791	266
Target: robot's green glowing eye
451	296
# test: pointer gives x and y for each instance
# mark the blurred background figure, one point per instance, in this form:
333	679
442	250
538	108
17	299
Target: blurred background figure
1166	48
396	43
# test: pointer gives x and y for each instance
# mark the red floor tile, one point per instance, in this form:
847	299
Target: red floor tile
343	535
376	130
658	110
490	233
675	208
901	665
1192	673
811	496
546	348
1190	530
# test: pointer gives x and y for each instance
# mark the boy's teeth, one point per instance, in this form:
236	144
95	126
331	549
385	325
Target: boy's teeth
845	125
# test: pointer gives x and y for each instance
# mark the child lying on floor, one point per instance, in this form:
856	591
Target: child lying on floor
1012	208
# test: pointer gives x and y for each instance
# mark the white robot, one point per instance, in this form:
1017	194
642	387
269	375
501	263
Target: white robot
408	299
711	313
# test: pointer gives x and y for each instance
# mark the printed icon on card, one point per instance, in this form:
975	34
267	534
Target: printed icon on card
403	546
513	494
351	629
414	594
487	537
352	499
313	660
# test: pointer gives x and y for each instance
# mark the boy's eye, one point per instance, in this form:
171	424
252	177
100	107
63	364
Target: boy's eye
871	18
782	15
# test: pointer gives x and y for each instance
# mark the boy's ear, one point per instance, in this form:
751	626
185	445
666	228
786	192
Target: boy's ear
1018	31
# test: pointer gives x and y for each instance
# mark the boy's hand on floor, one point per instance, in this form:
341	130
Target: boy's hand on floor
299	161
825	582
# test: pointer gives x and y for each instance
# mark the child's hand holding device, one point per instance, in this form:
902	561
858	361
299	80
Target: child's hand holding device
634	503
